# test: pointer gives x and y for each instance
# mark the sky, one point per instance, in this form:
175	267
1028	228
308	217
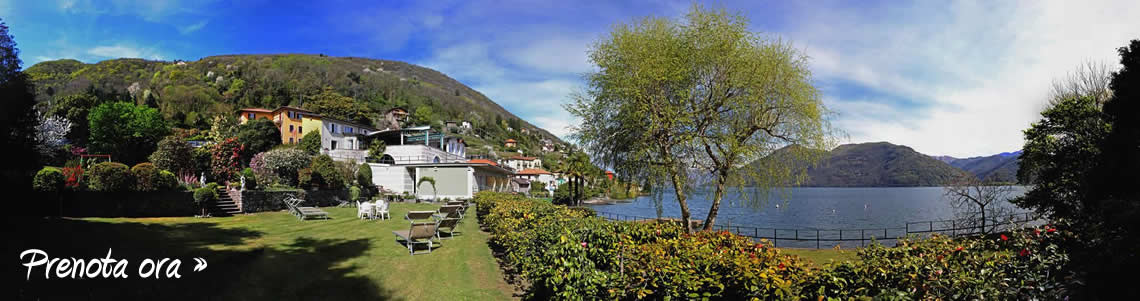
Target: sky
957	78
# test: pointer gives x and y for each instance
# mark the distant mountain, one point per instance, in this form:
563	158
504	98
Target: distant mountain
1000	167
878	164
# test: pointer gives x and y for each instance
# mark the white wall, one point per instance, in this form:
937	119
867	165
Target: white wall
398	179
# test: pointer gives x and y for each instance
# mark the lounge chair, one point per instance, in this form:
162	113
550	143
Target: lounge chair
449	212
419	215
449	224
462	206
419	233
303	212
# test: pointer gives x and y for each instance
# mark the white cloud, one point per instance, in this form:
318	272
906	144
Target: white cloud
559	55
978	71
193	27
122	51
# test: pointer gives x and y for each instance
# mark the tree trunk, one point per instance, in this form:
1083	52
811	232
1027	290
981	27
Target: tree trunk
711	219
983	219
680	190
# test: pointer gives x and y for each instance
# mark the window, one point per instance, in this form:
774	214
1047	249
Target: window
290	128
333	145
332	127
299	130
250	116
290	140
348	129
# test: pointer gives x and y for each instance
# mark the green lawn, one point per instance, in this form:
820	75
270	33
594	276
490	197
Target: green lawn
265	256
819	257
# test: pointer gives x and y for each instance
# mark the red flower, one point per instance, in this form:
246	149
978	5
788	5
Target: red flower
1023	252
1003	237
958	249
1051	230
781	266
1036	231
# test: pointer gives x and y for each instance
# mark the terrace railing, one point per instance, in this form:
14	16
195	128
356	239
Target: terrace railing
847	238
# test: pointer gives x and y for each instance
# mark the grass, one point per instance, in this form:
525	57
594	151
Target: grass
269	255
819	257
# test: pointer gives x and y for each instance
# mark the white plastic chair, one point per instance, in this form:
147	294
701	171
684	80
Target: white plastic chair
381	210
364	210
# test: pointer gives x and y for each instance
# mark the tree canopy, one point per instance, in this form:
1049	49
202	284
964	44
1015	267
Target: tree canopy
698	97
127	131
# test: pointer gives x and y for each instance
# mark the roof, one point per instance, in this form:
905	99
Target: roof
326	118
533	171
255	110
511	140
291	108
397	109
483	161
522	158
521	181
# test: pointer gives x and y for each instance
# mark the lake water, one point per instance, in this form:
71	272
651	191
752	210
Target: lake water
811	208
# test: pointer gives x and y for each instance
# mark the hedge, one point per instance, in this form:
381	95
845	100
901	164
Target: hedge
110	176
566	253
48	179
146	177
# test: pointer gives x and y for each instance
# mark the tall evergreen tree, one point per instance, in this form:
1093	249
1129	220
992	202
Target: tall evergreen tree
17	116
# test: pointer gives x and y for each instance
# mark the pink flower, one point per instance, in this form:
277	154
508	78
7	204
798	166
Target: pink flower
1023	252
1003	237
583	244
1051	230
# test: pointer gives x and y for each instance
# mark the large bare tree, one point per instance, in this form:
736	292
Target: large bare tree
1089	79
977	202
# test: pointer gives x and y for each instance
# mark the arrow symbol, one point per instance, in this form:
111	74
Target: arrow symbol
201	264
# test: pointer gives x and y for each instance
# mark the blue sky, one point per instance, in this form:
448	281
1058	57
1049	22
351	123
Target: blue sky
944	77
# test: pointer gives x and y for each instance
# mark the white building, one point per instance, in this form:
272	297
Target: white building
414	153
522	162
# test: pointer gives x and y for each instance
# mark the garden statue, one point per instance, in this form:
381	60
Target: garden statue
202	179
243	182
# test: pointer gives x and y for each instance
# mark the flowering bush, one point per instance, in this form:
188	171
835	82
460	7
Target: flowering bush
225	158
566	253
279	165
1025	264
73	176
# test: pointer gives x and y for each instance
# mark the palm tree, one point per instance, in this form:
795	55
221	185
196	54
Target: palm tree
575	166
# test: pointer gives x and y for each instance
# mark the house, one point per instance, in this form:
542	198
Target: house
465	125
451	126
394	118
547	145
511	143
520	185
414	153
289	120
537	174
342	140
522	162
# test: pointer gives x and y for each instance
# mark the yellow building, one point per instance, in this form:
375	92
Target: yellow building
293	122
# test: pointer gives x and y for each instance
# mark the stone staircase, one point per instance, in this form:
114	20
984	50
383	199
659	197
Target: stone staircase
225	205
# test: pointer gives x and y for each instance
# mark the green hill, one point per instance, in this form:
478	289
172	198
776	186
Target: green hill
189	93
878	164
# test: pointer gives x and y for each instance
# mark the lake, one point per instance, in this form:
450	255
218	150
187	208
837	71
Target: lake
811	208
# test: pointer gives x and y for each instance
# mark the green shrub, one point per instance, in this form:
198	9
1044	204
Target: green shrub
110	176
279	165
310	143
325	174
305	178
205	194
48	179
146	177
173	154
167	180
364	175
354	193
250	178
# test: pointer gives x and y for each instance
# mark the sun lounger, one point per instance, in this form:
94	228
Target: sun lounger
448	212
462	206
419	215
419	233
446	225
303	212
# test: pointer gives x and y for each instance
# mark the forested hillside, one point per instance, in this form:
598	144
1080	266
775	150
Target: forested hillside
878	164
189	94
